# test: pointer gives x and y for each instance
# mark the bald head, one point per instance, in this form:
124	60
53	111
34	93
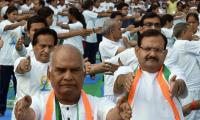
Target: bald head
67	51
66	73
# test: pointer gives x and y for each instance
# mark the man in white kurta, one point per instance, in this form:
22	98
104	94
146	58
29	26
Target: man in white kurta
149	102
188	59
100	108
111	45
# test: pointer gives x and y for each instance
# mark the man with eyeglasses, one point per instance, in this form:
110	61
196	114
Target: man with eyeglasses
149	21
151	87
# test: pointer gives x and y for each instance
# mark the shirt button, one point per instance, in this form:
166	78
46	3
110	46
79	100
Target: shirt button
67	108
68	118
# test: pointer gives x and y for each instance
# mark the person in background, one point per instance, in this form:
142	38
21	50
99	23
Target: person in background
10	31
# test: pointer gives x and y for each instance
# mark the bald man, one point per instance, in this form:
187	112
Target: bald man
67	100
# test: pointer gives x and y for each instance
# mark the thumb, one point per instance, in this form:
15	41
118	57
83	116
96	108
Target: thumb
172	80
172	83
122	100
27	101
29	59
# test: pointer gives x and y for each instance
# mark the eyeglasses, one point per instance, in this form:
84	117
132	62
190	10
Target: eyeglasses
152	24
157	50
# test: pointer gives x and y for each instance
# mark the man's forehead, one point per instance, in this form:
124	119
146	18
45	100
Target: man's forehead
147	39
152	20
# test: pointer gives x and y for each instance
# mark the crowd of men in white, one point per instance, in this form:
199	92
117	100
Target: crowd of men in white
149	50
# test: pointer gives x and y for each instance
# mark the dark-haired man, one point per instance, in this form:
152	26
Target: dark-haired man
31	71
154	90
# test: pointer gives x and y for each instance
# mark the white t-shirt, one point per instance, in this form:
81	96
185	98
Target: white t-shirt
149	102
99	21
188	55
3	10
108	49
108	5
25	7
90	18
56	10
60	17
34	81
76	41
10	38
100	107
169	34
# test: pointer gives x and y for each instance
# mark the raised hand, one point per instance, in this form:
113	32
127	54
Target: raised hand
22	109
24	65
125	110
127	82
177	87
19	44
88	66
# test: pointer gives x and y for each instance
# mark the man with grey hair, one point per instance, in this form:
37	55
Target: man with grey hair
67	100
111	45
188	52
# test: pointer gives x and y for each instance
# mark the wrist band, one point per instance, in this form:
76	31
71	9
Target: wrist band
193	105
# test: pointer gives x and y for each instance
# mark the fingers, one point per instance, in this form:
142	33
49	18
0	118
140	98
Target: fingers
177	87
25	64
88	67
128	82
19	44
21	107
124	108
172	84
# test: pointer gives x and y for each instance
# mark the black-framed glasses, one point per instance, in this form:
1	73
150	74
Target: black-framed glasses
149	49
157	25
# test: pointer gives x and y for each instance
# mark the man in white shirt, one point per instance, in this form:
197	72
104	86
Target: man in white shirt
188	59
111	45
34	23
31	72
154	90
67	100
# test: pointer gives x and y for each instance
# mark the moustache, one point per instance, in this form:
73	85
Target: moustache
151	58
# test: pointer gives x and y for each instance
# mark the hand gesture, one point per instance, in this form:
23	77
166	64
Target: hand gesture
19	44
124	108
177	87
22	109
127	81
86	32
25	65
1	43
88	66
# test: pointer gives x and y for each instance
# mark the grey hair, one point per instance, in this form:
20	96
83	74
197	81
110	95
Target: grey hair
179	29
108	27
